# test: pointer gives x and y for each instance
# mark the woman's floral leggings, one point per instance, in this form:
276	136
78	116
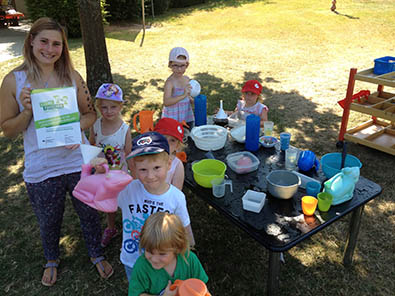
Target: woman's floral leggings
48	201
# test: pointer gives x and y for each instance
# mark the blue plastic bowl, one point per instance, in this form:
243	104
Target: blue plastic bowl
331	163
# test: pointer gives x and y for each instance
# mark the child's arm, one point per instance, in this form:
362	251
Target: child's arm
179	176
128	142
168	100
166	292
191	239
92	139
263	115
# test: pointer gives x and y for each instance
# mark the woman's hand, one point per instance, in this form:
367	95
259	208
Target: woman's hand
72	147
26	99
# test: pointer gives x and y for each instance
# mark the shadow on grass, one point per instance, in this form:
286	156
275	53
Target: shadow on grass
132	89
288	110
346	15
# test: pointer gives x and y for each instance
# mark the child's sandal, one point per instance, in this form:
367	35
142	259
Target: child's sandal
100	267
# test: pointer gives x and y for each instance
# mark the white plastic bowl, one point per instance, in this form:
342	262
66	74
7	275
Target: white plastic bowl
239	133
195	91
209	137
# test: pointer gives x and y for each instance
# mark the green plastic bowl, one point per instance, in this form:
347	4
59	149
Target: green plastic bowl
206	170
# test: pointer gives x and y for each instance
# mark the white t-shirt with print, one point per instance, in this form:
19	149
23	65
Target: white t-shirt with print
137	204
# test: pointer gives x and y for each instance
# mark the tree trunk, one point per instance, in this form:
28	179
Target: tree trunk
98	68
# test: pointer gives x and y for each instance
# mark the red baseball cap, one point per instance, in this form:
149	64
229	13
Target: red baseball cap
253	86
170	127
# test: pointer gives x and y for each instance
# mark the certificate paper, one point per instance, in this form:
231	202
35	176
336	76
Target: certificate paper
56	117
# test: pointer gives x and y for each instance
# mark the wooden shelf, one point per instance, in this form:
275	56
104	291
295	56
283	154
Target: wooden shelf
377	134
387	79
379	105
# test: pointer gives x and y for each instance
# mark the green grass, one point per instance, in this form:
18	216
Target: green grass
302	53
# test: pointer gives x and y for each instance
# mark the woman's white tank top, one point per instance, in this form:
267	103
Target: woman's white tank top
41	164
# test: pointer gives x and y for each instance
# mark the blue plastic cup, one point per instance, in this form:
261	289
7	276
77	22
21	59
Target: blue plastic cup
284	140
313	188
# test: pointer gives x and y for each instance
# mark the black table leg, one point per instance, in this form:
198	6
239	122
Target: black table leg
273	273
355	223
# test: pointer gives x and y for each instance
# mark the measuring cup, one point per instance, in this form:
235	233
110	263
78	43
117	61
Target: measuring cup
219	187
146	121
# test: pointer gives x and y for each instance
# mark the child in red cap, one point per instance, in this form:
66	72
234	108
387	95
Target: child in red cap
173	131
249	103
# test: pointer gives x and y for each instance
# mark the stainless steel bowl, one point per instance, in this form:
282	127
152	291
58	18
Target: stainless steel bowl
282	184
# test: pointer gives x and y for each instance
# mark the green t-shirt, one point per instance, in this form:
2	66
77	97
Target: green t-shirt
146	279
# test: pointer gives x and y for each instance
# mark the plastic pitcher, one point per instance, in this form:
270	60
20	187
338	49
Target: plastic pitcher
200	110
190	287
100	191
252	132
342	185
307	160
146	119
219	186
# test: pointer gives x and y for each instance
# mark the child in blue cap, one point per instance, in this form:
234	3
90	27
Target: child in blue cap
111	134
148	193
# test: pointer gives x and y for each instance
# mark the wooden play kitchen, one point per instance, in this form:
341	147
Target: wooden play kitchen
378	132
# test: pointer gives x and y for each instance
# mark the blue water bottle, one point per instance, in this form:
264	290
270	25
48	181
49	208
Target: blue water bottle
200	110
252	132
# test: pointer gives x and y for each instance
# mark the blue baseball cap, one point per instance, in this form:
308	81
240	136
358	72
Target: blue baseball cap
148	143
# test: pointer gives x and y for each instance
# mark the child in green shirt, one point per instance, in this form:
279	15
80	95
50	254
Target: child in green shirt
166	257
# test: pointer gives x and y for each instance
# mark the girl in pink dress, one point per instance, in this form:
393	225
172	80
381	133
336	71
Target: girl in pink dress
177	99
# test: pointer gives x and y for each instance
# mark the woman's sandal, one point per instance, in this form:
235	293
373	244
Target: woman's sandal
52	278
100	267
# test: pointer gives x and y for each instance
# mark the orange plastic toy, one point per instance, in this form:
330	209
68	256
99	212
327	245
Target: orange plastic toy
146	119
309	204
182	156
190	287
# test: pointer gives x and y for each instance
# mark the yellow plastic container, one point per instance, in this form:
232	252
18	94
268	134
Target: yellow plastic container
206	170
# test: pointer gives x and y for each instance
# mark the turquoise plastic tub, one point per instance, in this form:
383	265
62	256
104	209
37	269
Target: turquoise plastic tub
331	163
